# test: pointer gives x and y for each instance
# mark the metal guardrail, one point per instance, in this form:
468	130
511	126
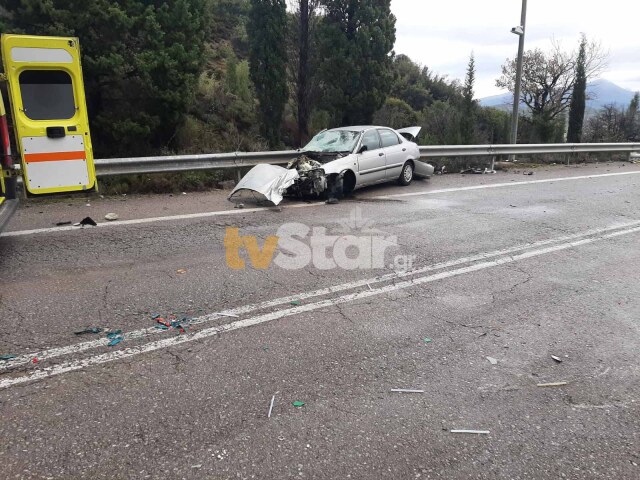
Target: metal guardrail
184	163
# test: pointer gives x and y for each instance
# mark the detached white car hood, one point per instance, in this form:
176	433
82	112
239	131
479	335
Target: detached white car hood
264	183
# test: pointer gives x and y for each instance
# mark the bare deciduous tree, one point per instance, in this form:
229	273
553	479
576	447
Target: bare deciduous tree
548	79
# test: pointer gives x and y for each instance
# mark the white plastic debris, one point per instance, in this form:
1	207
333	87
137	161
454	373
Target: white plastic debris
111	217
273	399
553	384
492	360
557	359
473	432
405	390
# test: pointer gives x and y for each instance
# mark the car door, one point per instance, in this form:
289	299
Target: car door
395	152
46	89
371	161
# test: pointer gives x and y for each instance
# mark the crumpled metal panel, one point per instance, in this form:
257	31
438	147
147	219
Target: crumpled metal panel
264	182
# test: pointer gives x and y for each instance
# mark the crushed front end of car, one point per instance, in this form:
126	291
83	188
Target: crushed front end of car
312	181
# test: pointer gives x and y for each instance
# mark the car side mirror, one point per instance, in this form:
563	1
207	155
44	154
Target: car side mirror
363	149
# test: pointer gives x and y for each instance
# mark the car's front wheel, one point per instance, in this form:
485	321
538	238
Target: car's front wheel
406	176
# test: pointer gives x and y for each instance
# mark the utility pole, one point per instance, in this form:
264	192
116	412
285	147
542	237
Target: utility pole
520	31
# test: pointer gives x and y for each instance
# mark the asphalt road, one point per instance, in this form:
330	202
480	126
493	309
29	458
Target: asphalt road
512	267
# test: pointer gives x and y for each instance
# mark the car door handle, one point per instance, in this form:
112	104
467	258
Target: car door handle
381	154
404	149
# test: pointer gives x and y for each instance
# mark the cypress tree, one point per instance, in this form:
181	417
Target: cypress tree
355	48
578	97
468	121
267	29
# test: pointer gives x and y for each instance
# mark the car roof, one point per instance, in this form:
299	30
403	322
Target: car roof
360	128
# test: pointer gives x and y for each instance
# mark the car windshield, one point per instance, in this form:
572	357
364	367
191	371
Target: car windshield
333	141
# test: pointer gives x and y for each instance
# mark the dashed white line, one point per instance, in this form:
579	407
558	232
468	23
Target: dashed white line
268	317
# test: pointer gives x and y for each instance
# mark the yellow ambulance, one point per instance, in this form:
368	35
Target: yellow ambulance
48	112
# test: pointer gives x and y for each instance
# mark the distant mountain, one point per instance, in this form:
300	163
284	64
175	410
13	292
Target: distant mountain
602	92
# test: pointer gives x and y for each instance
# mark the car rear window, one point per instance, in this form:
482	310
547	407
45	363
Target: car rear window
389	138
47	94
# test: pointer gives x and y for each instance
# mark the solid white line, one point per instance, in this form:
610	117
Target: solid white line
139	221
268	317
501	185
142	333
190	216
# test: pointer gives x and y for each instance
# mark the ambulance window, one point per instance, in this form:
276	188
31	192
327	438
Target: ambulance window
47	95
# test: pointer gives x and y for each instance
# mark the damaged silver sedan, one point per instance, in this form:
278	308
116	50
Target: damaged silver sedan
336	162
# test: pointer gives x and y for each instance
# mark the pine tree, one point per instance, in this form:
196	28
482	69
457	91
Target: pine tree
578	97
355	46
468	121
268	63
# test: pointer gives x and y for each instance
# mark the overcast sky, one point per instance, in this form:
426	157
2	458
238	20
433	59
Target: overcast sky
441	34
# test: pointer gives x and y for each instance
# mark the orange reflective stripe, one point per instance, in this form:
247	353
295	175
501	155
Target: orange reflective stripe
54	156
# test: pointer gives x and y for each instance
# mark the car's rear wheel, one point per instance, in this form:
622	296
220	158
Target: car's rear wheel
406	176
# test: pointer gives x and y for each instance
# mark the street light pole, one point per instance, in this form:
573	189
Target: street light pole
520	31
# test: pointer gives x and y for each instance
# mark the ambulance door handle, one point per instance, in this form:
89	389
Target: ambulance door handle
55	132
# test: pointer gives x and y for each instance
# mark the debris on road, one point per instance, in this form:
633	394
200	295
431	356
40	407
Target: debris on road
162	327
427	340
239	206
557	359
86	221
298	404
111	217
527	173
115	341
162	321
60	224
473	432
114	334
406	390
554	384
273	399
88	331
233	315
6	357
34	360
181	271
296	302
492	360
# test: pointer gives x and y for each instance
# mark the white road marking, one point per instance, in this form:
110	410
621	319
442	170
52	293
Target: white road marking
139	221
501	185
142	333
190	216
71	366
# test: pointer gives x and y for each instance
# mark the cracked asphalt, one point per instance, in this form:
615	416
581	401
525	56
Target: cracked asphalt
198	409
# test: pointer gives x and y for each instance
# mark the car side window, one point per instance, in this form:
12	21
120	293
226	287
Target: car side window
372	140
389	138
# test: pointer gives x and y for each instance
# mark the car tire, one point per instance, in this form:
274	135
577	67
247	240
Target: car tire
406	175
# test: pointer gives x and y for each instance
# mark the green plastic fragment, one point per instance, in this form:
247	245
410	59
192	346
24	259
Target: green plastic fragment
427	340
295	302
7	357
298	404
114	334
